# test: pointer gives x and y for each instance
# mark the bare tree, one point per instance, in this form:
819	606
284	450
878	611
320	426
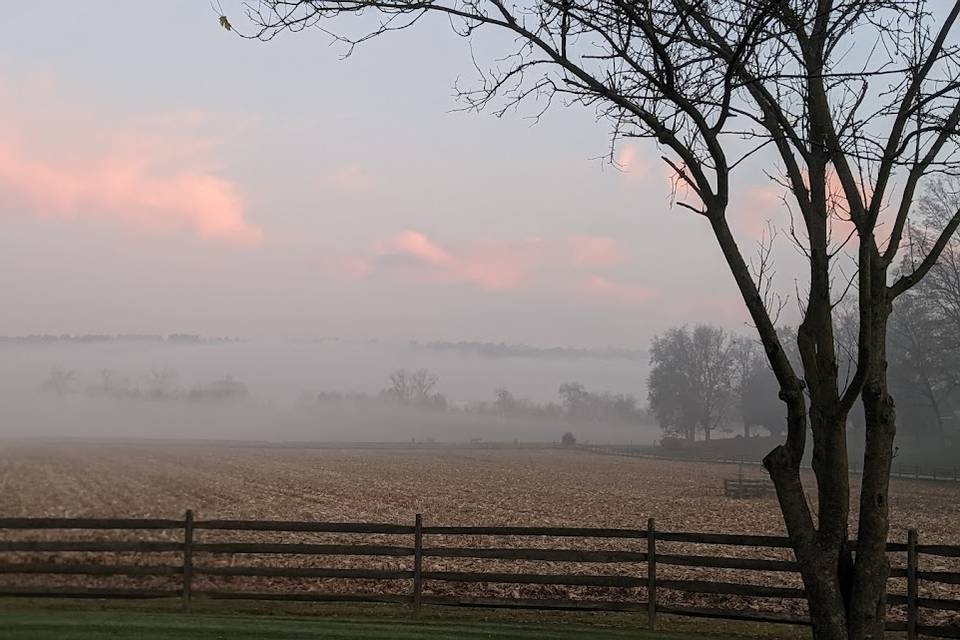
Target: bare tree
712	377
60	381
941	287
858	100
577	401
924	337
422	382
401	387
749	367
107	380
923	366
691	380
161	382
415	388
506	403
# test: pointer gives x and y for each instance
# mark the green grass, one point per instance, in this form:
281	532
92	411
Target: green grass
46	619
46	624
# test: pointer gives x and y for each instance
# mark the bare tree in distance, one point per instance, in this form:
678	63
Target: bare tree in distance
942	284
161	381
506	402
60	381
859	101
415	388
922	367
749	367
401	386
924	338
107	380
422	382
691	380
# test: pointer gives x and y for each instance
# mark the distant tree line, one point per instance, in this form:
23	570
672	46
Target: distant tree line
575	403
923	341
405	389
93	338
503	350
158	385
705	380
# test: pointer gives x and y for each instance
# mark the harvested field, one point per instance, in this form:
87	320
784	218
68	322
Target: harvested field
451	487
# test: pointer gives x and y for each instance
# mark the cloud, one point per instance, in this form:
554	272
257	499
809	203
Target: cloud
417	246
757	208
491	266
765	204
154	177
632	163
560	266
125	188
595	251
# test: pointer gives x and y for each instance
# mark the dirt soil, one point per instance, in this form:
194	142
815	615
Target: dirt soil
453	487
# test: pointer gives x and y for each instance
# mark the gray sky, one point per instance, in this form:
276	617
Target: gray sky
159	175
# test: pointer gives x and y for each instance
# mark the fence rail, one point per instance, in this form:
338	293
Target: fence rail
195	557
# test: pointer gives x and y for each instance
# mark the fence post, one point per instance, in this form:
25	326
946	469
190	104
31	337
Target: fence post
187	559
912	584
916	474
417	561
651	574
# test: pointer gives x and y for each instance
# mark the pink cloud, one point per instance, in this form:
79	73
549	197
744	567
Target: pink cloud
630	294
632	163
415	245
551	265
501	266
487	265
63	159
757	208
595	251
768	202
124	186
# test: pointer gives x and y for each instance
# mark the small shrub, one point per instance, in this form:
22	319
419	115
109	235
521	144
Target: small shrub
568	439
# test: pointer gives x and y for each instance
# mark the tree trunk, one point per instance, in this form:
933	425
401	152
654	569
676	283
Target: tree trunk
819	558
872	568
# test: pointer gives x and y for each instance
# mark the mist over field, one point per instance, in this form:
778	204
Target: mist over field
167	388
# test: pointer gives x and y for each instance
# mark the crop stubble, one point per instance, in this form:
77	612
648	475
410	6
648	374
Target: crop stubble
449	487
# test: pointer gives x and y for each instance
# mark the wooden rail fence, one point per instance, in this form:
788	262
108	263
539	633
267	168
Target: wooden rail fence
741	487
194	561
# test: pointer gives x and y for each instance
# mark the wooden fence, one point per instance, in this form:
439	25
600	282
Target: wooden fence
193	560
741	487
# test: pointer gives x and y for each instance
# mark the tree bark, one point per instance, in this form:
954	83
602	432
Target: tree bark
819	559
872	568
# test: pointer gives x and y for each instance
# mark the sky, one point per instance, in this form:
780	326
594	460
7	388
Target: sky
161	175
